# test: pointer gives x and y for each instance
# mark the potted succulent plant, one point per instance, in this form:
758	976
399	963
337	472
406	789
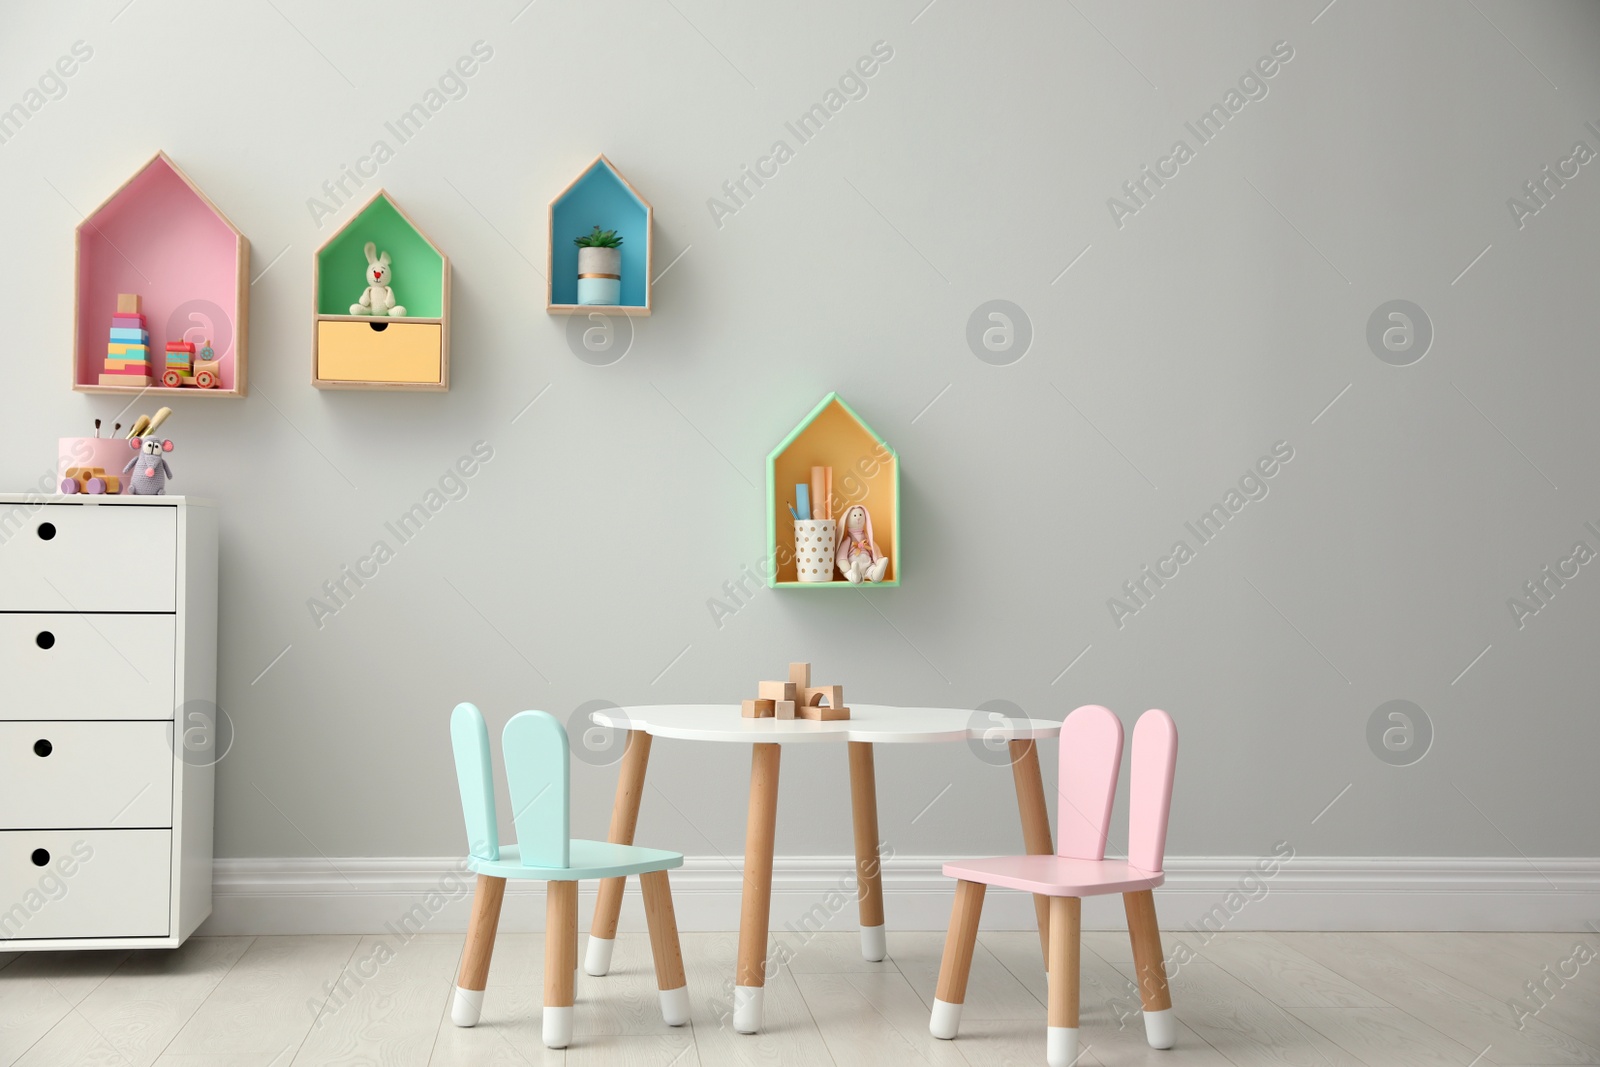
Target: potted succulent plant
599	267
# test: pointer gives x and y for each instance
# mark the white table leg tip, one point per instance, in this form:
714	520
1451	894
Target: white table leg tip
597	956
747	1002
1061	1046
1160	1028
874	946
675	1006
557	1027
466	1007
945	1021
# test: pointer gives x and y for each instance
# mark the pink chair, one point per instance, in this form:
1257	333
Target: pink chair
1091	756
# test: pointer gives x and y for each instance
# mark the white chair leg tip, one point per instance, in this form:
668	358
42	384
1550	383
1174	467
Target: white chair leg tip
597	956
1161	1028
1061	1046
466	1007
747	1004
557	1027
945	1020
675	1006
874	945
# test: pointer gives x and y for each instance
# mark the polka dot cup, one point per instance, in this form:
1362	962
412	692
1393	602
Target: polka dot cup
813	549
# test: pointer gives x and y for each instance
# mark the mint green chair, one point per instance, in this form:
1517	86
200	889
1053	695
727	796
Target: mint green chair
534	748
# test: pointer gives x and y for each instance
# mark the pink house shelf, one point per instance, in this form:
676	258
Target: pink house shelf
159	236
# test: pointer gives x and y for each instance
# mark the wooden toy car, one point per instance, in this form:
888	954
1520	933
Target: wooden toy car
93	480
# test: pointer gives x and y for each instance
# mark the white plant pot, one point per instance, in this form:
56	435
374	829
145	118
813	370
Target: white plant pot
599	275
813	549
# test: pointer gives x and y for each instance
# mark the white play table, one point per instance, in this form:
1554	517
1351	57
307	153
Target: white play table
868	725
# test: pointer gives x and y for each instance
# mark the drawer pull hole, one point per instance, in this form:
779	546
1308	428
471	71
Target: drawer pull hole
41	857
47	530
378	327
46	639
43	747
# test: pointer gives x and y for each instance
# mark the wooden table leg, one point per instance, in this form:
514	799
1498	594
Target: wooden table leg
756	901
869	873
1035	823
624	820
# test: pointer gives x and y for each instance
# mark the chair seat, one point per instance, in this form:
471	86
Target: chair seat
586	859
1056	876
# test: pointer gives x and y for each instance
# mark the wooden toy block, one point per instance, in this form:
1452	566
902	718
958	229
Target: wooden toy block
127	303
831	695
779	691
821	714
800	674
786	709
758	709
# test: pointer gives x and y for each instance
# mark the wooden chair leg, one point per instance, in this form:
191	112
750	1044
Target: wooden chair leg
1061	1039
1160	1028
755	908
1035	824
869	872
560	961
467	1006
959	944
624	819
663	924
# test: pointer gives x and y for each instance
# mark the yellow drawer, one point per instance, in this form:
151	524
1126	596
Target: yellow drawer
408	352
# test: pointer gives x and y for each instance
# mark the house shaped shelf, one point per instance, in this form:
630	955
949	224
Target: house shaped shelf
407	352
160	237
866	471
600	196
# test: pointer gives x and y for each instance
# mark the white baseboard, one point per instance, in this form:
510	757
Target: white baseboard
365	895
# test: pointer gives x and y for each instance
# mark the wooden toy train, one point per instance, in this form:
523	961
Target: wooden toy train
186	367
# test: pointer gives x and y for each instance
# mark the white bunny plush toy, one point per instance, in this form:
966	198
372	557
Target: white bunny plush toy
378	299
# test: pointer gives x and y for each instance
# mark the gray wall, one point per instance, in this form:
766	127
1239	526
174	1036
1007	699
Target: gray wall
1190	336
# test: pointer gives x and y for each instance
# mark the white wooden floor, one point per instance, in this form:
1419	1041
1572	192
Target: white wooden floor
1254	1000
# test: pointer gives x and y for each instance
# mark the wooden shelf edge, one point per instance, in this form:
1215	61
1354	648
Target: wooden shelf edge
159	390
392	387
631	310
381	318
837	583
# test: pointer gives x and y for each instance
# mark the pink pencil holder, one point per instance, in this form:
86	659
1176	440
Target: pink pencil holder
110	454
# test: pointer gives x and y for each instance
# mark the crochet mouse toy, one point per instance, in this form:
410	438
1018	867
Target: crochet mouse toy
149	466
378	299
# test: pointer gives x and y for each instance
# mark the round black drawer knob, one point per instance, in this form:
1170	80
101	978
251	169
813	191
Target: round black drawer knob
47	530
41	857
46	639
42	747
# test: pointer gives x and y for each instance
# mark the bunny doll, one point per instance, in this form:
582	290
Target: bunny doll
859	556
149	467
378	299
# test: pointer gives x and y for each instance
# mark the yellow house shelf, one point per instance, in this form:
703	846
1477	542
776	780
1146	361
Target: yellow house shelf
866	471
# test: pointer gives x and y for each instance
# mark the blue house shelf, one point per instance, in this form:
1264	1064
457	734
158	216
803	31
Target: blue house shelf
600	196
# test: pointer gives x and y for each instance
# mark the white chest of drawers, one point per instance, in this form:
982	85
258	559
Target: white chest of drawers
108	731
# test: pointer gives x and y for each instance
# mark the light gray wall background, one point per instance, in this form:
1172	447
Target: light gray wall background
1226	315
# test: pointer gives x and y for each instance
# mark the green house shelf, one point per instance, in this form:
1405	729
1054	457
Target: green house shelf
600	196
866	471
405	352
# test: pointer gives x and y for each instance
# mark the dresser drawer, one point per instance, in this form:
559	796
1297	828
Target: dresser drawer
87	666
93	774
87	557
85	883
